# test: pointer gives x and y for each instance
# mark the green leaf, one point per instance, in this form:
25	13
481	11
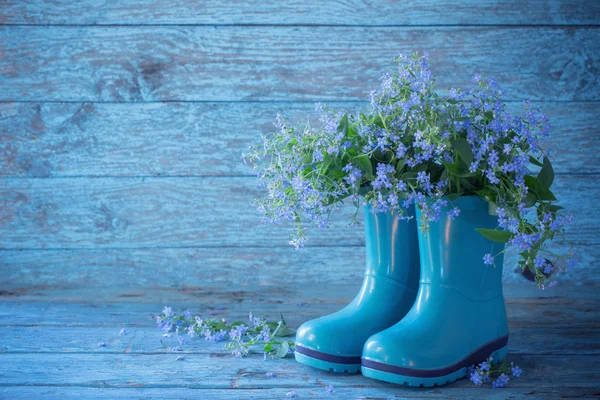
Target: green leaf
268	348
283	349
364	163
495	235
343	125
530	199
486	194
453	196
532	183
400	164
546	175
459	170
409	175
555	209
467	185
463	148
489	115
378	121
534	161
420	168
450	168
546	194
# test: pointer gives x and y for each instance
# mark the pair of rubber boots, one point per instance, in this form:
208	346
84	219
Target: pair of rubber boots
428	307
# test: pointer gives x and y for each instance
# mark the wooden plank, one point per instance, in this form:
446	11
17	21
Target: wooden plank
139	393
223	372
126	270
285	63
149	340
196	139
304	293
310	12
573	307
182	212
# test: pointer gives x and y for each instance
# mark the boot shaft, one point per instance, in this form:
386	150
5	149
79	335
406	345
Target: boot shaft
452	251
392	247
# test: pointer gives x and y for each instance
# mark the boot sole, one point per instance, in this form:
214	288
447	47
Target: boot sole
429	378
327	362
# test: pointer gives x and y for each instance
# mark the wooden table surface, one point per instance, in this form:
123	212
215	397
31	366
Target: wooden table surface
49	346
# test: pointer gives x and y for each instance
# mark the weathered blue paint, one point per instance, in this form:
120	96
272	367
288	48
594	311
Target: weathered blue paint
302	12
56	344
122	188
137	64
193	139
155	212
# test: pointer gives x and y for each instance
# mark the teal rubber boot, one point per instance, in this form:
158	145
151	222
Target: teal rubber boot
459	317
335	342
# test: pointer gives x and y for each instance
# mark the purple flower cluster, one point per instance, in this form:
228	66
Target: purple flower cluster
496	374
418	148
242	337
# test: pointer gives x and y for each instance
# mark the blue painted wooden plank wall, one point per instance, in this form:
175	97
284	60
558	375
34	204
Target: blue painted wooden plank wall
122	124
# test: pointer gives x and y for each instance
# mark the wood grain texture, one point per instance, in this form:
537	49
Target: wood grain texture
135	393
125	64
204	371
214	371
309	12
149	340
202	139
527	306
124	271
56	343
182	212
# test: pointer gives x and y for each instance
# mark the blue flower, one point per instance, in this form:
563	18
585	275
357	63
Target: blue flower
475	377
291	394
329	389
539	261
484	366
265	334
488	260
270	375
516	371
354	174
501	382
122	332
455	212
237	332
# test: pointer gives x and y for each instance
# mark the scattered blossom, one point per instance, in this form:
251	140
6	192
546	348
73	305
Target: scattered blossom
243	338
491	372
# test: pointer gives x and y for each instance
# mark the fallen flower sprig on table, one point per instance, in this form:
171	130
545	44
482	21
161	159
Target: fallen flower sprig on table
496	374
244	337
